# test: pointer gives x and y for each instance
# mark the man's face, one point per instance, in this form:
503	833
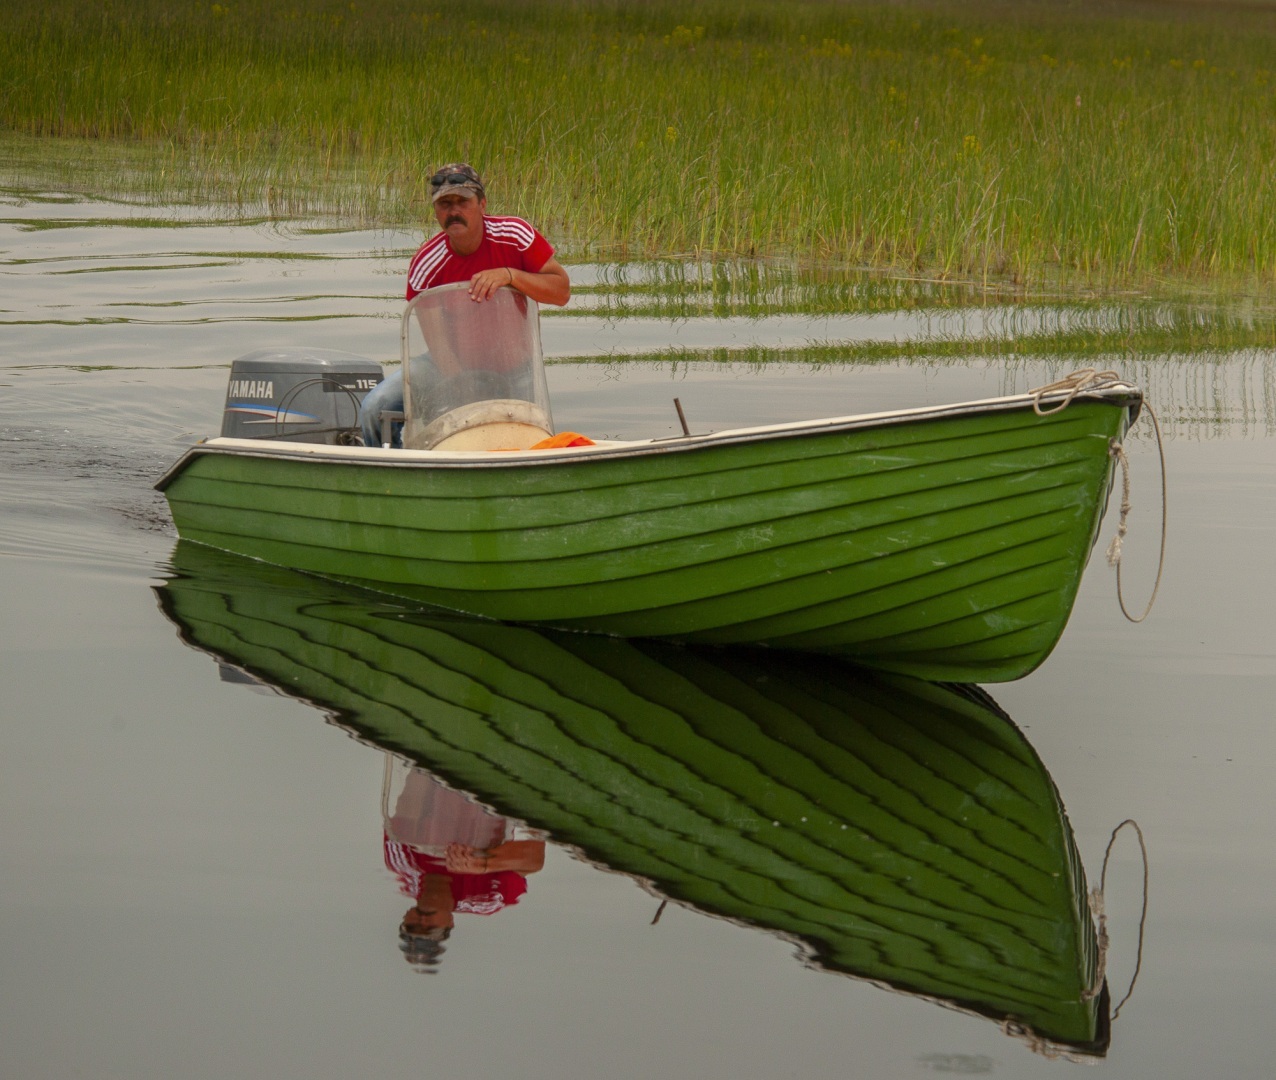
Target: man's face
433	907
461	217
426	916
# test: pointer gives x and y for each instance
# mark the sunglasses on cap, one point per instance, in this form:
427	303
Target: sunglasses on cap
439	179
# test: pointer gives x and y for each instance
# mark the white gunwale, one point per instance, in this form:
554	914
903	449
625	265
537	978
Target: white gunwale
1117	393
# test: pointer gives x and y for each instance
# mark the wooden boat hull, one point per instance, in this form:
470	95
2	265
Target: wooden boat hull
942	543
895	830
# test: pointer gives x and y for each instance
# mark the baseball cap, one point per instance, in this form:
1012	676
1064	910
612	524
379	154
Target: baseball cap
456	179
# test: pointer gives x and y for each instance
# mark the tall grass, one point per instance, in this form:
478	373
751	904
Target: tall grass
1101	142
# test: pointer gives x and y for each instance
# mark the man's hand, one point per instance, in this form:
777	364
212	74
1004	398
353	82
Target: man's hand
462	858
549	285
486	282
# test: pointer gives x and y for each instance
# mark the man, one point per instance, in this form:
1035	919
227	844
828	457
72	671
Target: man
488	252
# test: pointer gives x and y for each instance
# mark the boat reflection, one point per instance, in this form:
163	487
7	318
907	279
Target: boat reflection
895	830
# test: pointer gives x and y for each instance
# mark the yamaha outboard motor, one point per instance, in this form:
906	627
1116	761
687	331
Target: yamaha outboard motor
301	395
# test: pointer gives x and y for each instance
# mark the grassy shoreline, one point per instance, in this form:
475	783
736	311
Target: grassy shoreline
1096	144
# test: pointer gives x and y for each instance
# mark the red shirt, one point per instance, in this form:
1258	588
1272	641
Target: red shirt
477	894
507	241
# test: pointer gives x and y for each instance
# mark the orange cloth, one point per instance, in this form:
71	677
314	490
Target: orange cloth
563	438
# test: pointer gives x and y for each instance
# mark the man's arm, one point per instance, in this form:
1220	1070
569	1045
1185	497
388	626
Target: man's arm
522	856
549	285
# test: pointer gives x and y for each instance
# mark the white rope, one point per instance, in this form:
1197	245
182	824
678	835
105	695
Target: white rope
1101	935
1101	920
1076	383
1038	1044
1092	379
1116	450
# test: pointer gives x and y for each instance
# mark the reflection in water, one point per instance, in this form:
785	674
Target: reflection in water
451	855
1201	396
894	830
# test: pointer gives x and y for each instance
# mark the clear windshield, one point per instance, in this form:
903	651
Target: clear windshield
470	366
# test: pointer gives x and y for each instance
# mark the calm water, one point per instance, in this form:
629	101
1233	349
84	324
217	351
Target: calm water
194	880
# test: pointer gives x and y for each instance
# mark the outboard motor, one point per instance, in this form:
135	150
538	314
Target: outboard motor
474	376
301	395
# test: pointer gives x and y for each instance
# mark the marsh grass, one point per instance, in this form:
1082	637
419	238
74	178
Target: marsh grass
1093	142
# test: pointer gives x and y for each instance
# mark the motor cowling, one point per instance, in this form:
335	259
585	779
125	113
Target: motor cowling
299	395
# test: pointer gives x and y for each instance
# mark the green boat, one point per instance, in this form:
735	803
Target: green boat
896	831
946	543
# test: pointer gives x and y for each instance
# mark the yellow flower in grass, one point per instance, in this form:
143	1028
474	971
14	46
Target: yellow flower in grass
685	36
832	47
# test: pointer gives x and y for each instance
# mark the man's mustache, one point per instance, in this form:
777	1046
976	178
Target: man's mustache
453	219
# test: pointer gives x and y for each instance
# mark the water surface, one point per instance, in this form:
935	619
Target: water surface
195	880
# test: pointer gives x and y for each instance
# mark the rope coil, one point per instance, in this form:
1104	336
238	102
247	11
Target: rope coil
1114	553
1039	1044
1079	382
1101	920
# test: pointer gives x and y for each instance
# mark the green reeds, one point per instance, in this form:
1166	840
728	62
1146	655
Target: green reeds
1101	143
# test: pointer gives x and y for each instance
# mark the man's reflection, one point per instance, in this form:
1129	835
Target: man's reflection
450	855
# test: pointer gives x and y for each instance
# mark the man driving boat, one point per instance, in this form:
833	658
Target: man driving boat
488	252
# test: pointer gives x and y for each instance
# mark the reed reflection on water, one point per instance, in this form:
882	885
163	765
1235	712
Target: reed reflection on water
172	288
